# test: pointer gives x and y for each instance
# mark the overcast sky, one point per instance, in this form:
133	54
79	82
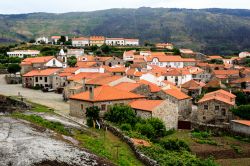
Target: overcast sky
61	6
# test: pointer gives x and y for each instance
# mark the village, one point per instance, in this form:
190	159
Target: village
183	89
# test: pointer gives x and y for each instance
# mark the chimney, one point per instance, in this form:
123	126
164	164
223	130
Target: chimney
91	93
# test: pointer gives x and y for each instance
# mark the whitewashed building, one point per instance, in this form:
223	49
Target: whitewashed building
22	53
132	42
75	52
80	42
244	54
115	41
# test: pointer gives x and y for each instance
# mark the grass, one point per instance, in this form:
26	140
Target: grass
233	162
104	144
56	126
92	139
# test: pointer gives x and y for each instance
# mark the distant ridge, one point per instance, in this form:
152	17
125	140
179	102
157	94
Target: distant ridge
212	31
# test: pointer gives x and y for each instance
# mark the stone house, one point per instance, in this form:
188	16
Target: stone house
29	64
240	126
162	109
100	61
192	88
226	75
242	83
103	97
47	78
214	107
183	102
137	88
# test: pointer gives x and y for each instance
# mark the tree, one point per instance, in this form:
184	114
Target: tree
13	68
121	114
32	41
72	61
92	114
158	126
241	98
176	51
216	61
105	49
242	111
146	129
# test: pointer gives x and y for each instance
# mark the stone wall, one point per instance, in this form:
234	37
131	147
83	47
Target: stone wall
140	156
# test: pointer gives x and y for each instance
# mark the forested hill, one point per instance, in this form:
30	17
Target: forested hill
211	31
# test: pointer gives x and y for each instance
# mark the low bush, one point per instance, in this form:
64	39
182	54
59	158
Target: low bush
126	127
205	141
174	144
201	134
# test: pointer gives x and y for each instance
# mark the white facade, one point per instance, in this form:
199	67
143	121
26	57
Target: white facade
177	64
115	41
178	80
21	53
132	42
54	63
80	42
90	70
244	54
152	78
42	40
75	52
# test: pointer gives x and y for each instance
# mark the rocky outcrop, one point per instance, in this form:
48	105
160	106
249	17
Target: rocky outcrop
9	105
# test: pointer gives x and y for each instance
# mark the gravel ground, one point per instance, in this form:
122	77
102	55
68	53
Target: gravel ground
21	144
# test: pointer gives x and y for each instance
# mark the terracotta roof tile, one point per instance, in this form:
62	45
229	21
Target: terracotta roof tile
105	80
145	105
244	122
220	95
43	59
106	93
45	72
127	86
192	85
177	94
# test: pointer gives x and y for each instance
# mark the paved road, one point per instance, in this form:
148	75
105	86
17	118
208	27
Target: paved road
51	99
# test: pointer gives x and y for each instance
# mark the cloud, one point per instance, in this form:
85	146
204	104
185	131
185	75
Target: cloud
61	6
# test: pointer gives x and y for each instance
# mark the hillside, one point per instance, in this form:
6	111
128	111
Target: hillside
211	31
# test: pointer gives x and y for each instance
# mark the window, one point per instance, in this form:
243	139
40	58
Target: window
54	62
36	79
204	118
81	106
103	107
206	107
217	107
223	112
41	78
45	79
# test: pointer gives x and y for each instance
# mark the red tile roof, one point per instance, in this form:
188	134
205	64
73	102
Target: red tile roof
220	95
106	93
192	85
145	105
105	80
127	86
87	75
43	59
153	87
45	72
177	94
244	122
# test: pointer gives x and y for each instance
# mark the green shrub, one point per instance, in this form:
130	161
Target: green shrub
205	141
126	127
121	114
242	111
158	126
201	134
145	129
174	144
